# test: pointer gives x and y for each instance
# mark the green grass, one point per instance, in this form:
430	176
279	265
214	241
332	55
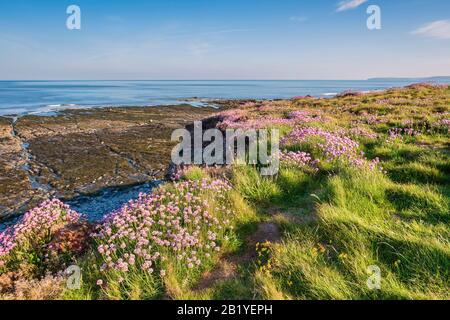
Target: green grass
362	224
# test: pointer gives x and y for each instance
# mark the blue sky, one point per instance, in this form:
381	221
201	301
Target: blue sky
223	39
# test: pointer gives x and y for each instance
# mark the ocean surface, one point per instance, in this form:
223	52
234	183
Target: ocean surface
47	97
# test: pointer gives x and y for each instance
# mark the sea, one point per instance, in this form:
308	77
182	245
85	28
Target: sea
18	98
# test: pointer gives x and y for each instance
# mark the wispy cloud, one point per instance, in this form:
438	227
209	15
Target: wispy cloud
438	29
298	18
349	5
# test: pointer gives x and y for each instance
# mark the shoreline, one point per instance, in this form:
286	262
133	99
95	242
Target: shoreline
49	97
56	109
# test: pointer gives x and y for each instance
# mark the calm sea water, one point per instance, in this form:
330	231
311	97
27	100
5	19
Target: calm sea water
41	97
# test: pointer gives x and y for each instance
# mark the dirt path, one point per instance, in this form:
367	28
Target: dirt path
227	269
266	231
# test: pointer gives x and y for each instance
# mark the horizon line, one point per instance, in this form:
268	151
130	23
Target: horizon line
366	79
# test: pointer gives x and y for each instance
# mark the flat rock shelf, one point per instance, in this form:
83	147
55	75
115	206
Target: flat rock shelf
78	153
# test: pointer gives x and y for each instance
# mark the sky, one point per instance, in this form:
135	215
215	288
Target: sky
223	39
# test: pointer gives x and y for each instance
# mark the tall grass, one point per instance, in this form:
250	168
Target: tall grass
359	225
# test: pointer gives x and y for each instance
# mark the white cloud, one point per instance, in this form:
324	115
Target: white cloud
349	5
298	19
437	29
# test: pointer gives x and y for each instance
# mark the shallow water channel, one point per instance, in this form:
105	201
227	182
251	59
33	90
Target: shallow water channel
94	207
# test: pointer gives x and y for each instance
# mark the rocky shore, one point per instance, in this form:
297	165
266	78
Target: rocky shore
79	152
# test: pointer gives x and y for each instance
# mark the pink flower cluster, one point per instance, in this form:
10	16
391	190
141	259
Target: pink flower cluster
263	122
333	146
179	172
373	120
240	120
396	101
178	222
445	123
303	116
399	133
362	132
7	242
300	159
230	118
369	119
37	225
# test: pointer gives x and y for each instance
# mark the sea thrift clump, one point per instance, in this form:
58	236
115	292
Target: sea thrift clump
445	123
369	119
7	242
399	133
230	118
179	222
241	119
372	119
375	164
396	101
233	122
362	132
334	146
300	159
36	227
179	172
304	116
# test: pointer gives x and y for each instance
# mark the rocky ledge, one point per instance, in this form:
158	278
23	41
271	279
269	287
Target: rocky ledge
79	152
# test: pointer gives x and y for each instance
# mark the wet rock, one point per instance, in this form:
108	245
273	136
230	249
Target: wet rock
16	192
